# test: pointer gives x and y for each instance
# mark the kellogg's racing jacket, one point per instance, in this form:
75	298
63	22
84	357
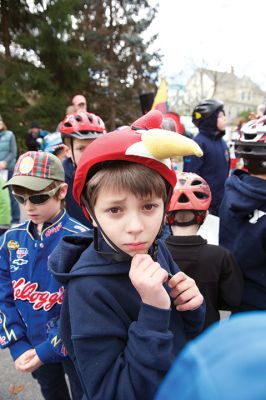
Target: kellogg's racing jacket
30	298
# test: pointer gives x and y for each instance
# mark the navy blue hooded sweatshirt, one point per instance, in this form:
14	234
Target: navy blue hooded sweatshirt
72	207
243	232
121	347
213	166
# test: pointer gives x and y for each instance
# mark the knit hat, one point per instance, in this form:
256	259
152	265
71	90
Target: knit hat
35	170
35	124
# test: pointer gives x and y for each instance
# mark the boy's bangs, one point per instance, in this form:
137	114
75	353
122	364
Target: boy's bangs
125	176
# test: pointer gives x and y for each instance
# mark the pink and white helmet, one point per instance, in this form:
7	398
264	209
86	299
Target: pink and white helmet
191	192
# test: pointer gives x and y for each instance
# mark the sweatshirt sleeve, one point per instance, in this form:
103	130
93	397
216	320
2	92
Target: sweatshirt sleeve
13	332
194	321
231	284
117	360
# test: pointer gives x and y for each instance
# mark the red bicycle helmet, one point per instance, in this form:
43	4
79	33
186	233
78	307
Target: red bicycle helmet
191	192
151	148
82	125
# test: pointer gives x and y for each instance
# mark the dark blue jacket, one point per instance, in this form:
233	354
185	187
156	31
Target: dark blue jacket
72	207
213	166
121	347
243	232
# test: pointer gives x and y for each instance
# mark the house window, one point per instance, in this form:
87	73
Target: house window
242	96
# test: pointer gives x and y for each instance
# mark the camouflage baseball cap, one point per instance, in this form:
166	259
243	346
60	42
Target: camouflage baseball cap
35	170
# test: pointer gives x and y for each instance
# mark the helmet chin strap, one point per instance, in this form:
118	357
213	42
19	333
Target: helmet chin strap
118	254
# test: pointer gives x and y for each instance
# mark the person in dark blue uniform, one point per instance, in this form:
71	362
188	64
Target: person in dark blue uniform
213	166
243	214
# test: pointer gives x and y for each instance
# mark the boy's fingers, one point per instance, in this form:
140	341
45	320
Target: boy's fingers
140	259
186	296
160	273
182	287
178	277
191	305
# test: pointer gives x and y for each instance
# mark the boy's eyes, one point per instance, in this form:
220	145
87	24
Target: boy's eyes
114	210
145	207
149	207
80	149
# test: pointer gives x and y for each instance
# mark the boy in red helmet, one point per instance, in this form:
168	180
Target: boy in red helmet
129	310
213	268
78	131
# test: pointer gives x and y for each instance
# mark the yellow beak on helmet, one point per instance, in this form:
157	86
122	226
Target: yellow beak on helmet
166	144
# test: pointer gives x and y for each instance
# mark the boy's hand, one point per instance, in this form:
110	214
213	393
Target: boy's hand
185	292
148	277
28	361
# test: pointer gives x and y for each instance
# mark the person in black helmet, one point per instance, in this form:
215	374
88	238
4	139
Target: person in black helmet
243	214
213	166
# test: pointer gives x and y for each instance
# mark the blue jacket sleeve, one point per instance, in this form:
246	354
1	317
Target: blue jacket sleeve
114	360
13	332
52	350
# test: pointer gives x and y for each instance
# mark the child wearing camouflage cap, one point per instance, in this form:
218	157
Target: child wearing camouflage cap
30	298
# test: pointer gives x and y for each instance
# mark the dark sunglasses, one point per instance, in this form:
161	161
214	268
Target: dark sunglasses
36	198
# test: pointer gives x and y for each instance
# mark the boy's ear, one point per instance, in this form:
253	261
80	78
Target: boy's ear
63	191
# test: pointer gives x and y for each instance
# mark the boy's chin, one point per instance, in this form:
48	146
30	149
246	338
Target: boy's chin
133	253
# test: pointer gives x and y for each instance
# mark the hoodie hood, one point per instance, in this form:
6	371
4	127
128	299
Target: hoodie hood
75	256
245	193
209	127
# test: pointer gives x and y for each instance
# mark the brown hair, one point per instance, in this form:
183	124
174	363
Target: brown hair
135	178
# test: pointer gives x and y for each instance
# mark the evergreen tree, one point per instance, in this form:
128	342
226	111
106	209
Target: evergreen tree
54	49
123	67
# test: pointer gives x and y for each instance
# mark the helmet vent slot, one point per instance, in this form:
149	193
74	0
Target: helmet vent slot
201	195
183	198
250	136
196	183
182	181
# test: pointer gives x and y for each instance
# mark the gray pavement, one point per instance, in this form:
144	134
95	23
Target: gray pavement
10	376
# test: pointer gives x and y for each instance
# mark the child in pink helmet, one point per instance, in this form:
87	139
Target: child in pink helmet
213	268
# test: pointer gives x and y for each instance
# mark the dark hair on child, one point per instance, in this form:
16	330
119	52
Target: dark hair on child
124	175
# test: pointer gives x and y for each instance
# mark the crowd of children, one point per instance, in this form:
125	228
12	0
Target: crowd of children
109	277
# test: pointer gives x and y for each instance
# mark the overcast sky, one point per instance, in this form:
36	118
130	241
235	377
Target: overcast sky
216	34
